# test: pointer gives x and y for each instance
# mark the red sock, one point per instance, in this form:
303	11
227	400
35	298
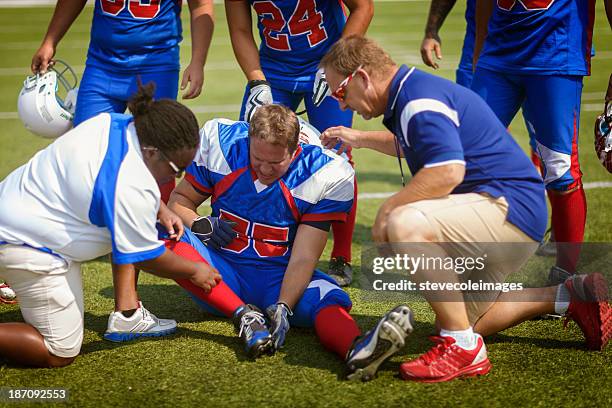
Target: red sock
336	329
221	297
343	233
165	190
568	221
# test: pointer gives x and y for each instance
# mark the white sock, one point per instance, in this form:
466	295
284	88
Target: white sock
466	339
562	300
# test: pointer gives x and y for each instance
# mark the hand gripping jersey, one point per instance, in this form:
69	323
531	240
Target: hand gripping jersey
134	36
540	37
296	34
87	194
318	186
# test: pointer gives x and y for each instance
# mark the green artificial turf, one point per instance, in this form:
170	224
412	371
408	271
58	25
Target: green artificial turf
535	364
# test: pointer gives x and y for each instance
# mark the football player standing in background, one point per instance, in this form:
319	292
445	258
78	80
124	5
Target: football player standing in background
294	37
432	46
536	54
131	40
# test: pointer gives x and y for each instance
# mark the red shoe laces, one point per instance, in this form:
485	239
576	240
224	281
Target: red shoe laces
438	350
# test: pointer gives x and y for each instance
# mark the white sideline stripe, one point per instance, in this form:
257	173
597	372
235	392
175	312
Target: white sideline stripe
196	109
374	196
210	66
592	107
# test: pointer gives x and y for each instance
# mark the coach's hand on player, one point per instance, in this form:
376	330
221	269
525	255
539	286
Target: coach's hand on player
279	321
43	59
346	137
260	93
214	231
431	46
205	277
171	222
320	89
194	77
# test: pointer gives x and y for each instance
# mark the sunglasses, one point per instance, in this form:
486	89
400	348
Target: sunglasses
178	171
340	93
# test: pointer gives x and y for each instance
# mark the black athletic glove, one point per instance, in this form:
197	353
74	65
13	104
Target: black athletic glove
213	231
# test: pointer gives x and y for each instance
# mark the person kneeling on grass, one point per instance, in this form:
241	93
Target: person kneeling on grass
281	198
91	192
471	184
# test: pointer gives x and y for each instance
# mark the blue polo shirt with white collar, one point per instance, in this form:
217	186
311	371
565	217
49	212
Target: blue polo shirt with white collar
438	122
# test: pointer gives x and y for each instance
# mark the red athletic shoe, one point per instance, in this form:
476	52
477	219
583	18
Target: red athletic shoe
589	308
446	361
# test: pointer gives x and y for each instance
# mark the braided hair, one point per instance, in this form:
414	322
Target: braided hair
165	123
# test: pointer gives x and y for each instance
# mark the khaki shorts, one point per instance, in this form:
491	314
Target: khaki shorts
469	224
50	295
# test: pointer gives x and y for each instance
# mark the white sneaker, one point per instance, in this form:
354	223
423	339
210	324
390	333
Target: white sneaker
141	324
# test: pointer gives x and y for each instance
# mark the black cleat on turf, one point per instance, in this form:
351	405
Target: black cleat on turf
369	351
252	329
341	271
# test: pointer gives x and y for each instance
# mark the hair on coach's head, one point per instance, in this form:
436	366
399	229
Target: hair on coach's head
347	54
165	123
276	124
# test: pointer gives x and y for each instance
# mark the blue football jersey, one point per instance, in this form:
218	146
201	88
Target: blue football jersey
551	37
133	36
318	186
438	122
296	34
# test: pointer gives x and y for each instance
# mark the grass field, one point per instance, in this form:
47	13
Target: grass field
535	364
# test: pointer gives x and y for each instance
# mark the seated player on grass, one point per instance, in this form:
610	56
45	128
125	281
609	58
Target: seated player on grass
281	197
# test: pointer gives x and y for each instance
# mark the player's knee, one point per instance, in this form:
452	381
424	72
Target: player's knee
407	224
56	361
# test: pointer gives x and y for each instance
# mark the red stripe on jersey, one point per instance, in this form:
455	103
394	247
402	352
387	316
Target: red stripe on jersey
192	180
297	152
225	183
337	216
290	201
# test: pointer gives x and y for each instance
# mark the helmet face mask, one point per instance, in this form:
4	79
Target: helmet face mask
41	108
603	137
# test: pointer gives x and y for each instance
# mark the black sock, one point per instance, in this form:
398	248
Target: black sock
128	313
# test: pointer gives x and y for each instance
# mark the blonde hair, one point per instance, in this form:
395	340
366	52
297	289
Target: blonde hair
347	54
275	124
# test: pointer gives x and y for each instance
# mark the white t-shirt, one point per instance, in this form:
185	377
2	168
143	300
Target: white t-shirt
86	195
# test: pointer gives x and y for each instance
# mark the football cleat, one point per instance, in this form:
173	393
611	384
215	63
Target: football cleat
341	271
7	295
589	308
603	137
446	361
369	351
141	324
251	325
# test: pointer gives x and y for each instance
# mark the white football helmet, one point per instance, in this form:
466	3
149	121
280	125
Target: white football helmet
40	107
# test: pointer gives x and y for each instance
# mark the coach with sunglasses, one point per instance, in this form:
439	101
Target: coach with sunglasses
471	183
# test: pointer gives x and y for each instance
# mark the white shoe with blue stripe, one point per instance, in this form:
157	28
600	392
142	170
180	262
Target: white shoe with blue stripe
141	324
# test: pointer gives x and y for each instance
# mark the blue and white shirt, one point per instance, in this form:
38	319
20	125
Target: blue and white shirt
86	195
438	122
